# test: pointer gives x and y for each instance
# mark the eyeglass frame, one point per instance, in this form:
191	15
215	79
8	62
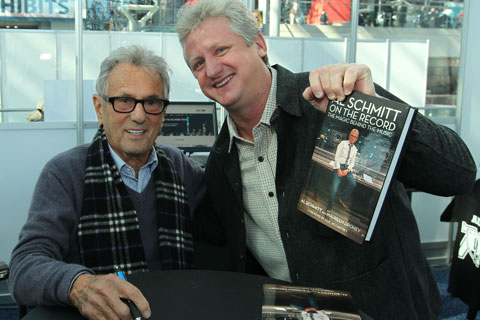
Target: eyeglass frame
137	101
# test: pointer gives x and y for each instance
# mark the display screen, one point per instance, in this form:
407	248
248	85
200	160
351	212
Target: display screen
189	126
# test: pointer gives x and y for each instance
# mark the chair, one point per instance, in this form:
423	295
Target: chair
4	271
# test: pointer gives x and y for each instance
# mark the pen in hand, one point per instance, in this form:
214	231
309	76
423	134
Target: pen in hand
133	308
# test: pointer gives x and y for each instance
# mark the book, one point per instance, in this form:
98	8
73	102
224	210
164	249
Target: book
289	302
354	160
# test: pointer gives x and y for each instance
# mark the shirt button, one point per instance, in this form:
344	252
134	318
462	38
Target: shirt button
241	256
271	194
288	235
260	159
297	276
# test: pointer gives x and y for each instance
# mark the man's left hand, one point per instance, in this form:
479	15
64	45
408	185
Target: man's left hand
335	81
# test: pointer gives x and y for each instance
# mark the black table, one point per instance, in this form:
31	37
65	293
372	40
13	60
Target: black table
192	294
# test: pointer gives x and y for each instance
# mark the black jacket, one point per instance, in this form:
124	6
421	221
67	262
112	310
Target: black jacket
389	277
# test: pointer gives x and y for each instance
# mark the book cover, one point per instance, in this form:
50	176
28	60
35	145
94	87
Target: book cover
353	163
288	302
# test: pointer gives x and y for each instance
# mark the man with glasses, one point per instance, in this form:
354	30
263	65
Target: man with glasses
119	202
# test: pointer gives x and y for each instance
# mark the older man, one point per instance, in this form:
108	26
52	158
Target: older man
342	170
260	162
120	201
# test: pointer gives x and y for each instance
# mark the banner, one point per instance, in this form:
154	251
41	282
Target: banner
37	9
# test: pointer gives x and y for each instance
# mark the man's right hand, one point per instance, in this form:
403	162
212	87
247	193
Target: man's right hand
98	297
335	81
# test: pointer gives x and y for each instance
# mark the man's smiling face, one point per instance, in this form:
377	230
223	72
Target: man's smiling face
131	135
223	64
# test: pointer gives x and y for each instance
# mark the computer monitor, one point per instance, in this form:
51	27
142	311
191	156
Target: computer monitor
189	126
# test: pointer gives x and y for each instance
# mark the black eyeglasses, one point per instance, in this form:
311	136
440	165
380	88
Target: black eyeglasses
128	104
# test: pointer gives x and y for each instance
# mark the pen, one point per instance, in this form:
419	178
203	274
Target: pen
120	273
133	308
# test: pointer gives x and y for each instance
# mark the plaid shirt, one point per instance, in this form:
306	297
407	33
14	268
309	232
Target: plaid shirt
258	162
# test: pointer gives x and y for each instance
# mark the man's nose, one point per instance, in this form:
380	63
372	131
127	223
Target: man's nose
138	114
213	68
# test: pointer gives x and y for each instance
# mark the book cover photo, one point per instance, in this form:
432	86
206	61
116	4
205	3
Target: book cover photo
353	163
288	302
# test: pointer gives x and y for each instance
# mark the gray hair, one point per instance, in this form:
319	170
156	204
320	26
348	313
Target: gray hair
136	56
242	21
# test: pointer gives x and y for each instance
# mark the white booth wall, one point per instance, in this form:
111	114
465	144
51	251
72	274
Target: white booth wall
400	66
469	128
470	94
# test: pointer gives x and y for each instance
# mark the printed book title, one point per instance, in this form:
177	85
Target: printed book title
364	114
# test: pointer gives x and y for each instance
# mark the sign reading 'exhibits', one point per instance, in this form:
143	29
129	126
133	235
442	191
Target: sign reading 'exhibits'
37	8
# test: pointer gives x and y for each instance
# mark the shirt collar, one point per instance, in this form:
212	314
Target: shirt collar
152	160
268	111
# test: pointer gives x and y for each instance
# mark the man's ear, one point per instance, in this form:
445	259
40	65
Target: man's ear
261	45
97	102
